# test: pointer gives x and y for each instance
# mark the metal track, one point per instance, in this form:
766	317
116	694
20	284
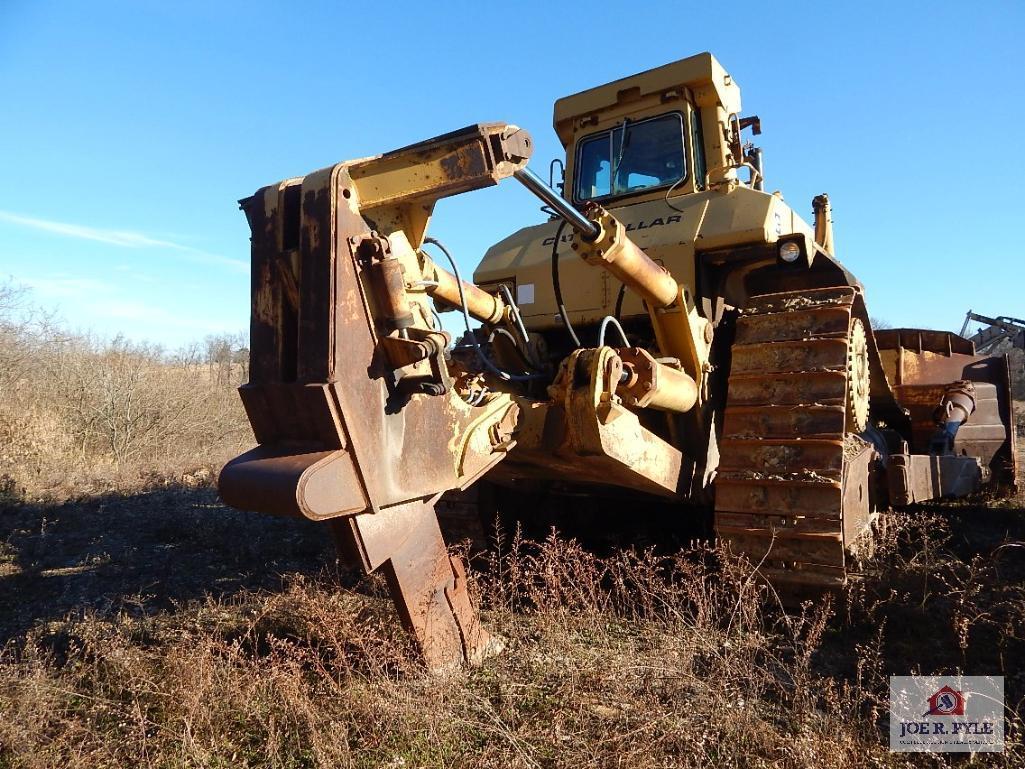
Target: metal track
792	493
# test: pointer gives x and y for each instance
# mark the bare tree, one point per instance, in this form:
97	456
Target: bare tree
227	358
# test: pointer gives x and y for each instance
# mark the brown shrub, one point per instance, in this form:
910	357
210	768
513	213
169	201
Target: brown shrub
635	660
77	412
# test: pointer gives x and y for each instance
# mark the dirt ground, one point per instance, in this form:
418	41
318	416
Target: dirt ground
146	552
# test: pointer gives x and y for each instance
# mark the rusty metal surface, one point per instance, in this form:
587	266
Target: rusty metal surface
859	507
468	159
957	403
814	355
597	426
484	306
917	478
327	331
427	585
274	305
385	273
801	388
758	494
360	419
349	374
812	421
795	491
920	340
783	456
983	434
284	480
830	320
995	331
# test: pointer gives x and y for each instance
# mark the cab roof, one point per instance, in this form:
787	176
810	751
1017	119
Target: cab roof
701	73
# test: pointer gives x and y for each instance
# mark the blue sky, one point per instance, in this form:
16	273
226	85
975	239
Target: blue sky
130	129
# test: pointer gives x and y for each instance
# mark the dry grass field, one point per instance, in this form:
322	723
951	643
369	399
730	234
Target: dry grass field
142	623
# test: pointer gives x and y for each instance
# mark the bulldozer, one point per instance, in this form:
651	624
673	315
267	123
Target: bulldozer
672	334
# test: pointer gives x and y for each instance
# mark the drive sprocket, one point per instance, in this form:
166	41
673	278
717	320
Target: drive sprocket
858	382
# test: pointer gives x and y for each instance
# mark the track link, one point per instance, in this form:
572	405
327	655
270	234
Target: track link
792	493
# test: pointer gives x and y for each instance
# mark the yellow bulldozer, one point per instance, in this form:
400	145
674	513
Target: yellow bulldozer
672	335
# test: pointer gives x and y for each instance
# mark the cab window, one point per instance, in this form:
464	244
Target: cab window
637	155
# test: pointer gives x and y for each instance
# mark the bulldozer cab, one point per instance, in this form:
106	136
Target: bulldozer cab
644	137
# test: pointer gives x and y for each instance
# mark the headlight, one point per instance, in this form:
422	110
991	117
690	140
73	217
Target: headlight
789	252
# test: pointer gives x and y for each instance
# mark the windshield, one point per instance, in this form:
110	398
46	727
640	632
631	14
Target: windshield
651	156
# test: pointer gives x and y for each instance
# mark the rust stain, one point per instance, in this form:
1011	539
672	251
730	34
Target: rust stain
464	163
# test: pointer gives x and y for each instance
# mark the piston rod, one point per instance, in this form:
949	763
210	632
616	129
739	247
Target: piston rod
588	229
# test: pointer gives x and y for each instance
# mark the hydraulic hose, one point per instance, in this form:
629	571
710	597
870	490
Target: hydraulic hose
556	285
607	321
618	312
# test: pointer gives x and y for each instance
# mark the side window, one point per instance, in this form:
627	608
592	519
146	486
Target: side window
594	165
697	140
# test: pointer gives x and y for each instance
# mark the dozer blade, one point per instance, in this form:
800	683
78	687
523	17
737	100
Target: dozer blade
350	395
921	364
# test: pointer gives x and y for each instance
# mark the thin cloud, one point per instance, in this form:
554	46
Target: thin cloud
121	238
64	286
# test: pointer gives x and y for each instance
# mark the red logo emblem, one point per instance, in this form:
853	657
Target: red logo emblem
946	702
